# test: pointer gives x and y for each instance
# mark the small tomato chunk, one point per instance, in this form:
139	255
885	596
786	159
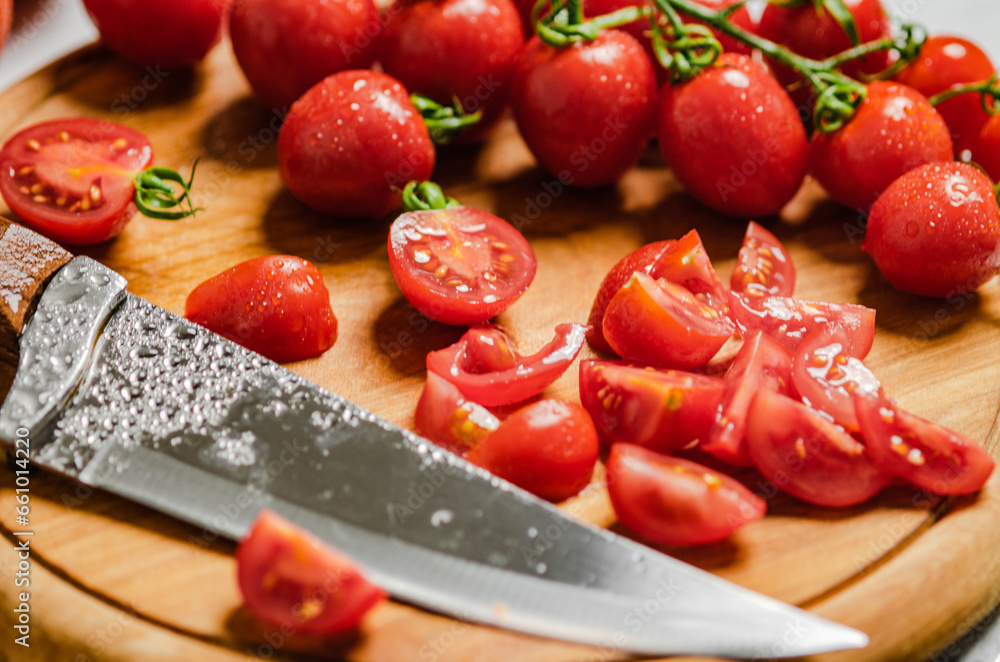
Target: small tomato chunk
449	420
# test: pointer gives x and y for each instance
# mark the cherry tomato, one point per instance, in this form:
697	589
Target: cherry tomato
548	448
809	457
449	420
72	179
734	138
763	266
586	111
455	49
168	33
505	377
459	265
351	143
290	579
789	320
658	323
936	230
924	454
275	305
671	501
663	410
894	131
761	364
986	150
946	62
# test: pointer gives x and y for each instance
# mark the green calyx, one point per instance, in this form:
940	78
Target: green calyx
560	23
685	49
156	198
444	123
426	196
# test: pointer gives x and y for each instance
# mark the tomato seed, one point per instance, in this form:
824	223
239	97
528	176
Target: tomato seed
95	193
26	170
121	143
40	199
33	145
37	188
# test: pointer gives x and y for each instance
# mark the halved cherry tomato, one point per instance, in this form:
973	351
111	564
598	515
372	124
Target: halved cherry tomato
72	179
548	448
809	457
923	453
515	379
663	410
449	420
761	364
275	305
763	266
789	320
671	501
291	579
459	265
656	322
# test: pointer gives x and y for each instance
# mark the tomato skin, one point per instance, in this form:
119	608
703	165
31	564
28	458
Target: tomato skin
487	263
734	138
6	20
285	47
168	33
662	410
95	154
291	579
365	151
585	111
763	266
894	131
275	305
548	448
936	230
986	150
805	455
445	417
672	501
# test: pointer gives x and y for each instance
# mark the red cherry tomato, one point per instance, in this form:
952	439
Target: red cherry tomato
285	47
658	323
670	501
924	454
459	265
809	457
72	179
663	410
351	143
894	131
936	230
763	266
946	62
734	138
455	49
761	364
548	448
276	305
512	380
789	320
449	420
289	578
586	111
168	33
986	149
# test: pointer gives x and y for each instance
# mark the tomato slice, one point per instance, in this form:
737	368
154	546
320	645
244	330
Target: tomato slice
809	457
923	453
548	448
663	410
658	323
514	380
761	364
671	501
688	265
789	320
448	419
763	266
72	179
459	265
826	376
290	579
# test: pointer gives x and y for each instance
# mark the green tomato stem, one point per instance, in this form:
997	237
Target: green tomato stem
444	123
989	92
155	198
426	196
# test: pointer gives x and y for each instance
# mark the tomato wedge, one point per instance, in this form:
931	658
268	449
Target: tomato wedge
514	379
671	501
448	419
459	265
290	579
763	266
663	410
923	453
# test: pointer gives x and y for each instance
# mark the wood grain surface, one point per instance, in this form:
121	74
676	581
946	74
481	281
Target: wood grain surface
114	581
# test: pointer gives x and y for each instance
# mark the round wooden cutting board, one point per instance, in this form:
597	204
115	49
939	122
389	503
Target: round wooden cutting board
114	581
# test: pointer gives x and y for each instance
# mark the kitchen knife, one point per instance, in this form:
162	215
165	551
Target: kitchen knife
127	397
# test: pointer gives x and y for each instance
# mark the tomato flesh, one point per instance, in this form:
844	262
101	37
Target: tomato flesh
449	420
763	266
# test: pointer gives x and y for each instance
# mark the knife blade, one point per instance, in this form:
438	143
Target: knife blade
127	397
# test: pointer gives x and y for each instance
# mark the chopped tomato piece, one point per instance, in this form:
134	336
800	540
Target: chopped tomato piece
449	420
763	267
